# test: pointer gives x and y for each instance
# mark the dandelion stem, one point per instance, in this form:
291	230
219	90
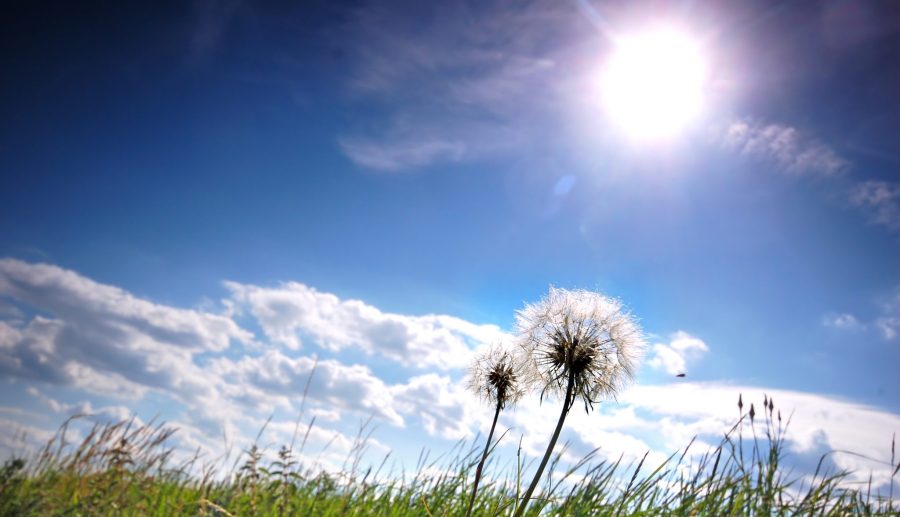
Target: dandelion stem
567	404
487	447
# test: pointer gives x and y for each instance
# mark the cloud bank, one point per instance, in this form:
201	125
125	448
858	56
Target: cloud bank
112	352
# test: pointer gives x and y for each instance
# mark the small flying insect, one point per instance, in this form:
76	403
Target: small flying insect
681	375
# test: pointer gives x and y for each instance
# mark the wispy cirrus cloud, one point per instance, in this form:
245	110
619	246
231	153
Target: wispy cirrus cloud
456	83
790	150
401	152
881	199
793	152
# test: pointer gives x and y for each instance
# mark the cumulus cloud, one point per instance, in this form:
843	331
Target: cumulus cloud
10	312
790	150
220	381
446	409
815	419
672	357
276	377
103	340
662	419
99	339
292	310
70	296
881	199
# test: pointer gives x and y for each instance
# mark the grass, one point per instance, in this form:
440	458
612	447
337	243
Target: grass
125	468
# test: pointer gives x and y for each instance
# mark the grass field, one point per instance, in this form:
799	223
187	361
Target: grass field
128	469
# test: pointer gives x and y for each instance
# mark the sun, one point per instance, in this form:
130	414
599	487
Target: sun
653	83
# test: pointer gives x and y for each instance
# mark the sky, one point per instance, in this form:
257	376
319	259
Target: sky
204	203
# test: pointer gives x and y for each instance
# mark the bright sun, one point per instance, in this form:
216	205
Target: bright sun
653	84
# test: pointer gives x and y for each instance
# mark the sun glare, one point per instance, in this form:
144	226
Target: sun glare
653	84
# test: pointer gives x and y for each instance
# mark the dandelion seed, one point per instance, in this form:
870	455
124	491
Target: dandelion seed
497	377
578	345
584	335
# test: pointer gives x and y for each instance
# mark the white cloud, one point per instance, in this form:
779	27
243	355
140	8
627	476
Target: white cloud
664	418
673	357
103	340
845	321
107	309
882	199
446	409
786	147
889	321
401	153
843	425
18	437
218	393
292	310
276	377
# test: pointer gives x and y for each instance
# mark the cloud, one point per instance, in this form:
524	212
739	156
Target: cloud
216	380
664	418
790	150
102	338
815	419
114	413
673	357
845	321
19	437
881	199
457	84
400	152
292	310
10	312
445	408
889	321
106	309
276	378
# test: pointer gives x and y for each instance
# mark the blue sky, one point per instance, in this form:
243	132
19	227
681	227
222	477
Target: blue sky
199	198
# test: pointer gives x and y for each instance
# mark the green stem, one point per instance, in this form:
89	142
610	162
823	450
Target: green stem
487	447
567	403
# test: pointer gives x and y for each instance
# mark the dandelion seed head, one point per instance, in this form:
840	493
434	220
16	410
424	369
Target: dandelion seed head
583	334
497	376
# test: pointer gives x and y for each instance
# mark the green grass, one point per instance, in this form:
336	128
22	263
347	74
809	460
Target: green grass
127	469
